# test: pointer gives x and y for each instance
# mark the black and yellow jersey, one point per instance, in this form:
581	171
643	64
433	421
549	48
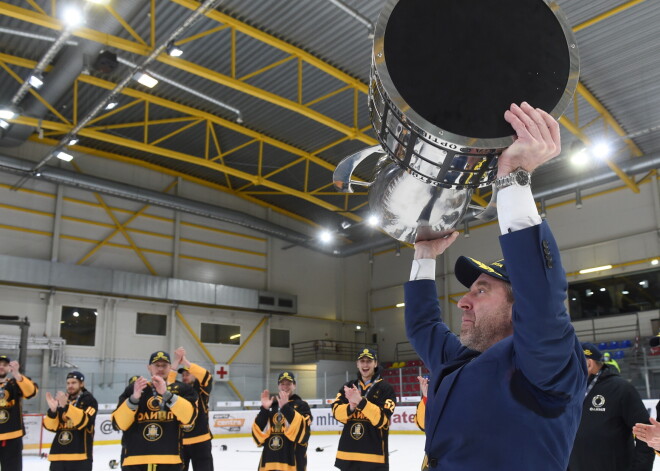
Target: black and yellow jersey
73	425
153	428
12	393
285	440
420	414
365	434
199	431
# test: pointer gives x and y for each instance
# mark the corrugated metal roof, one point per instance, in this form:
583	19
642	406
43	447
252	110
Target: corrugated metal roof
620	66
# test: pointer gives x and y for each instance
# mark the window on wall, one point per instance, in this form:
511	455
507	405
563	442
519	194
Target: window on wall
615	295
220	333
151	324
279	338
78	325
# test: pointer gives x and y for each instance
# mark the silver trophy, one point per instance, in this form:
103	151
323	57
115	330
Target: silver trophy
443	73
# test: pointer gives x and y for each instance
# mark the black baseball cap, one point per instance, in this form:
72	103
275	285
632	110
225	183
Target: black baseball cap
654	342
367	353
468	269
286	375
182	369
159	356
5	358
592	352
76	375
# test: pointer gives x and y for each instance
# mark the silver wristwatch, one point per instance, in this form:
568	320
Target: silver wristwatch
519	177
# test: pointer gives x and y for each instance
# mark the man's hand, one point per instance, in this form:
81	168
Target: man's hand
353	395
432	248
52	402
138	387
283	399
62	398
649	434
15	370
266	399
180	355
159	384
423	385
537	139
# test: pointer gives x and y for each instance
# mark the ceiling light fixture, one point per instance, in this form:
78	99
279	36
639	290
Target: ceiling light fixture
64	156
145	79
73	141
174	50
72	16
654	261
36	80
601	150
580	157
4	124
100	2
235	336
400	304
325	236
8	112
373	220
595	269
111	106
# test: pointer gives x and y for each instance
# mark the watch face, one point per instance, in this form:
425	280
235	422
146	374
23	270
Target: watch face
522	178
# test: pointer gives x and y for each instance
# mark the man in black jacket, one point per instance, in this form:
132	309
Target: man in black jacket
611	408
282	427
364	406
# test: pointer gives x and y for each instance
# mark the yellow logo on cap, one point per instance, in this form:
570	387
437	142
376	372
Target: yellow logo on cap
286	375
483	266
588	352
366	353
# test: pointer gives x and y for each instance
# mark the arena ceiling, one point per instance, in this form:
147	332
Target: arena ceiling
269	95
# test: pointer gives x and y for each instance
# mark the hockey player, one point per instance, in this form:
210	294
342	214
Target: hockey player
364	406
71	416
289	417
12	392
197	436
151	414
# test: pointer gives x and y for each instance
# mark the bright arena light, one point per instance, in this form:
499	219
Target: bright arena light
72	16
601	150
373	220
580	158
325	236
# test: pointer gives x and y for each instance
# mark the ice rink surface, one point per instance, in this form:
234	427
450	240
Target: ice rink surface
406	452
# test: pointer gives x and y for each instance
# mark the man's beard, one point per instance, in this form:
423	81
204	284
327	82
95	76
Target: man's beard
479	338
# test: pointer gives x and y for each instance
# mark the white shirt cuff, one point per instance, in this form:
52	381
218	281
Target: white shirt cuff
516	209
423	269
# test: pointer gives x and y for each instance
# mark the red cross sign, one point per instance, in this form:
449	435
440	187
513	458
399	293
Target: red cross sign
221	372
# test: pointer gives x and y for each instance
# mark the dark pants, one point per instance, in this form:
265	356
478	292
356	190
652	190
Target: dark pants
362	466
11	454
153	467
85	465
200	456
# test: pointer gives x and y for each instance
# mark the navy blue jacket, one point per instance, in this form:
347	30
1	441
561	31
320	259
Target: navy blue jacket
516	406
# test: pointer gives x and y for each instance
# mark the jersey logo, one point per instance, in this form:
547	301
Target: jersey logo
152	432
65	438
598	401
278	423
188	428
357	431
4	416
153	403
275	443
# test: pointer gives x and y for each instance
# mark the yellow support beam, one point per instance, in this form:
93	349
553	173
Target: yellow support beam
606	15
193	334
247	340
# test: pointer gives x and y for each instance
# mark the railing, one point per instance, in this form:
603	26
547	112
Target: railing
404	351
590	331
314	350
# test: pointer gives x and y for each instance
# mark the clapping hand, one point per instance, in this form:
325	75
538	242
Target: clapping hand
52	402
283	399
266	399
353	395
649	434
62	398
423	385
138	387
159	384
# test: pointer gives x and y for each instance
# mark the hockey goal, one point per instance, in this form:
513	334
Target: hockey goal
35	435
